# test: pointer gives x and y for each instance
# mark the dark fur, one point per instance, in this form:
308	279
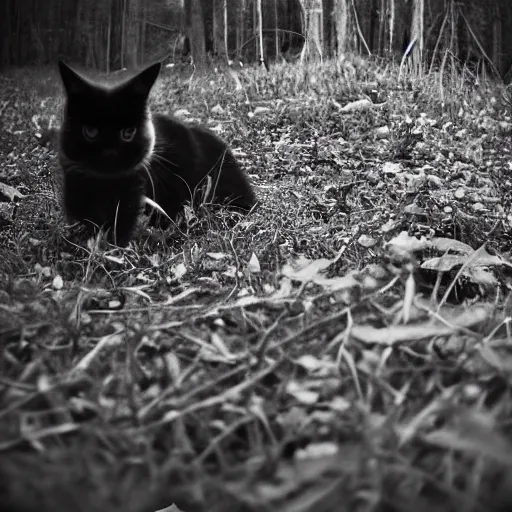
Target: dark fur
106	189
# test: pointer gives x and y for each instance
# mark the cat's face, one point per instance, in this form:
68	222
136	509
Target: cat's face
107	130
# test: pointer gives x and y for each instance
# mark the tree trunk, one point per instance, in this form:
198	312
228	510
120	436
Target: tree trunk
313	29
218	30
260	32
225	11
276	25
196	33
341	20
240	29
132	41
373	25
392	18
417	34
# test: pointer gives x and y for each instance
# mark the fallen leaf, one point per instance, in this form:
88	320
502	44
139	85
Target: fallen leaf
481	276
261	110
301	393
217	109
57	282
366	241
404	333
382	132
444	263
182	112
217	255
304	270
414	209
318	450
444	244
391	168
179	270
115	259
170	508
389	225
357	105
310	362
407	243
473	432
254	264
10	193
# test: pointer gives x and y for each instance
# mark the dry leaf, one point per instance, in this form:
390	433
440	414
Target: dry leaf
179	270
391	168
170	508
301	393
217	255
403	333
406	243
254	265
217	109
304	270
182	112
9	192
366	241
57	282
473	432
358	105
262	110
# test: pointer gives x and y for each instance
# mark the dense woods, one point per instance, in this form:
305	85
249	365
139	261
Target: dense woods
113	34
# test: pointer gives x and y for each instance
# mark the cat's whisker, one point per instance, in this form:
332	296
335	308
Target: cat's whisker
160	158
165	145
147	170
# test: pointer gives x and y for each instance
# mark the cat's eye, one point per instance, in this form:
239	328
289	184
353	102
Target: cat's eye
90	132
128	134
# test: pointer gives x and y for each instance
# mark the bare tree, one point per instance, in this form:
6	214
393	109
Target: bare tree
196	32
113	34
313	14
259	15
341	19
392	19
276	25
417	34
226	29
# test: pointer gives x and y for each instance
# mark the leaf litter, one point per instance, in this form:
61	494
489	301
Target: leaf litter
312	357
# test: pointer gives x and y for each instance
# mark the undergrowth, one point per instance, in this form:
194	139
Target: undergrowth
344	345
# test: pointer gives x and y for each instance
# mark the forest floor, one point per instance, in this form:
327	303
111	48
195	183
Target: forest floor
346	346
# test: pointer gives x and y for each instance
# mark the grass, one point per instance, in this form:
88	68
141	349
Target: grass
305	357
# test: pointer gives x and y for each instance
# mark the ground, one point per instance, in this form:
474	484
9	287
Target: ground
345	346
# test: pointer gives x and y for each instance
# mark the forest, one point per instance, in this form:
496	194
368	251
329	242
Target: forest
322	320
114	34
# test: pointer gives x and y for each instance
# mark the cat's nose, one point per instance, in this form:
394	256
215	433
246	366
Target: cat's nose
109	153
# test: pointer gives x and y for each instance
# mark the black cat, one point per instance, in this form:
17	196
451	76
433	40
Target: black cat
113	152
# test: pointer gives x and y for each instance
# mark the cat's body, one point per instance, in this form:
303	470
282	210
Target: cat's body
113	152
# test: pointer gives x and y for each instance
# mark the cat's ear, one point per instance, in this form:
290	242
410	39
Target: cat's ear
73	82
142	82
